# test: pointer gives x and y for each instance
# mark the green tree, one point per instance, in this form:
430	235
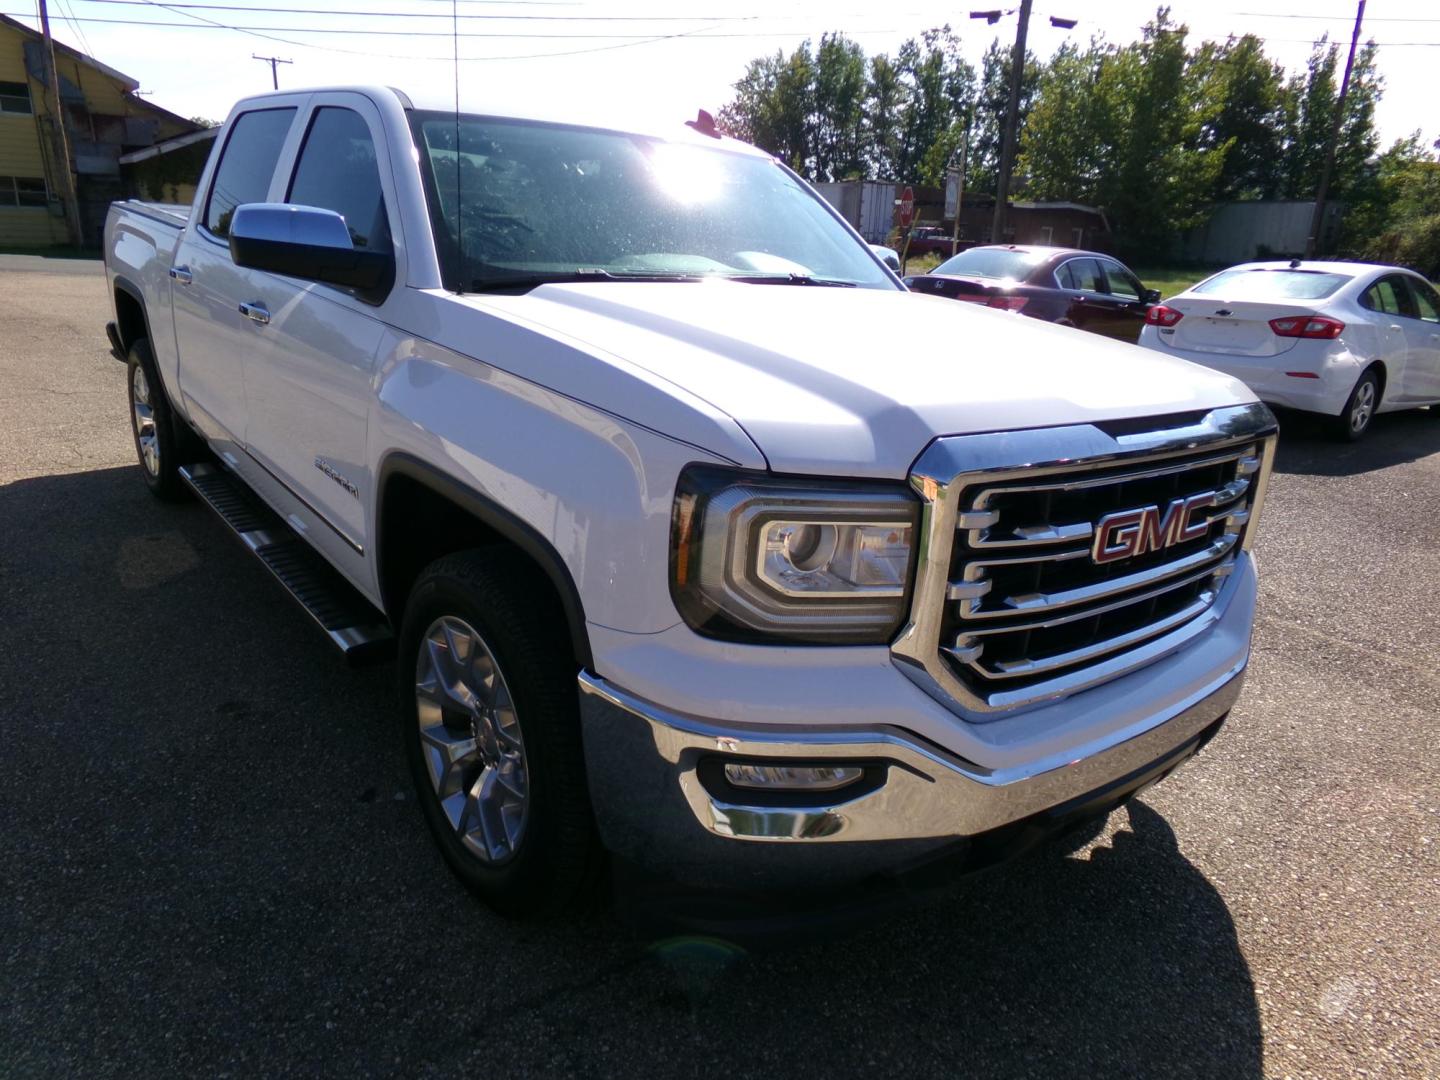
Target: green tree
992	99
1068	135
1247	104
774	107
886	101
1163	175
839	101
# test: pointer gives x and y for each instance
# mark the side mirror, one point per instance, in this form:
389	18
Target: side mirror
1150	296
308	242
886	256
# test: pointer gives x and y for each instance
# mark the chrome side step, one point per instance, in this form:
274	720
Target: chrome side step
351	622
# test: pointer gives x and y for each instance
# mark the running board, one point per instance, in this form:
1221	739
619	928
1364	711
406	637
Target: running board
349	620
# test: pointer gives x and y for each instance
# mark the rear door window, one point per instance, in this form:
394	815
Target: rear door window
1390	296
247	165
337	170
1083	275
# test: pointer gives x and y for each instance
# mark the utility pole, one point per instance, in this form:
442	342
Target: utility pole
272	61
1012	120
1318	221
61	143
960	181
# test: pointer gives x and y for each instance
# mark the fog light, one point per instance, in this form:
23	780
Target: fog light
792	777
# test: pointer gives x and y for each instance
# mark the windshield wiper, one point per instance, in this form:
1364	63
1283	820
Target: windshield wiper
789	279
567	277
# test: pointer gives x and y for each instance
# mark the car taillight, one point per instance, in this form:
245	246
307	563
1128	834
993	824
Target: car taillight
1160	315
1307	326
1006	303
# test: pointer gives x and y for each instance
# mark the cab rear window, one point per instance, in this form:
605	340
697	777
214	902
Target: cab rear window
1273	284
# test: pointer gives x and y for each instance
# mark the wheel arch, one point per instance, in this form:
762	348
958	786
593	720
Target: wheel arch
131	319
422	513
1381	373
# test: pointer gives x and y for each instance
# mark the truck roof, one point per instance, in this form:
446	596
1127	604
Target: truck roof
575	113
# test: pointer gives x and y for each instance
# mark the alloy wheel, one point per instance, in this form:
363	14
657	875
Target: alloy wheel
471	741
146	436
1363	407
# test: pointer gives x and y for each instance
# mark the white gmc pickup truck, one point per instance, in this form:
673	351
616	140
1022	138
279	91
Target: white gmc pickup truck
610	438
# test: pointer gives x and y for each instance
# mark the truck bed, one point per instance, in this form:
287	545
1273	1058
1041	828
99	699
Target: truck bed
174	214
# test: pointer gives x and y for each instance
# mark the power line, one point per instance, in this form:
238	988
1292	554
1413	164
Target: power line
438	14
262	29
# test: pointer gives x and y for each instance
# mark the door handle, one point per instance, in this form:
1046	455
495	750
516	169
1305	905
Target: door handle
1396	326
255	311
182	274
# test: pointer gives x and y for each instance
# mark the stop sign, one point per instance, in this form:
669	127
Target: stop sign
907	206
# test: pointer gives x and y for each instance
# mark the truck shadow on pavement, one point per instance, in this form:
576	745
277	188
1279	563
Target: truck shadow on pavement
213	864
1393	439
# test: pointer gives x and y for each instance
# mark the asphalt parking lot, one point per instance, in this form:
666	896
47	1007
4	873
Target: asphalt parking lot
210	863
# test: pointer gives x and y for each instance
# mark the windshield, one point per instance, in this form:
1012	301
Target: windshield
1272	284
523	202
992	263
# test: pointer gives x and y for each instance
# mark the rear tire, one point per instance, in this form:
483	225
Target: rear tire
491	726
153	426
1354	420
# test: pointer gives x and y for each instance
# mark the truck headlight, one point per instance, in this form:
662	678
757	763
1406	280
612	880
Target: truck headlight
755	557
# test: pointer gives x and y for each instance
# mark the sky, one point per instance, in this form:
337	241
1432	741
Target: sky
653	62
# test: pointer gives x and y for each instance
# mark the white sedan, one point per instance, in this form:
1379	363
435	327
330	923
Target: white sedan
1347	340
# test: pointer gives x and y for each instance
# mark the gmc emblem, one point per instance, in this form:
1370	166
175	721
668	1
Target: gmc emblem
1128	533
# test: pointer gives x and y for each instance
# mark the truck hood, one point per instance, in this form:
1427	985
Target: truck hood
858	381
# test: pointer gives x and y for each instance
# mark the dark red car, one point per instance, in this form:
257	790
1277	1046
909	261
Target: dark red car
1061	285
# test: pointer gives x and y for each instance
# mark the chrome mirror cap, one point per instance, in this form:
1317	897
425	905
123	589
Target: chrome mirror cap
281	223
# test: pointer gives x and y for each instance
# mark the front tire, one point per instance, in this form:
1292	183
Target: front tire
1354	420
153	426
491	728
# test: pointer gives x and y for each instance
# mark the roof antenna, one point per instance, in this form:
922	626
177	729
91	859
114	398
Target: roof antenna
459	214
704	123
1294	263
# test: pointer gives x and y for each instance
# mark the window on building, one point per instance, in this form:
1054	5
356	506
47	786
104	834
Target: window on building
23	191
337	171
246	165
15	98
1047	234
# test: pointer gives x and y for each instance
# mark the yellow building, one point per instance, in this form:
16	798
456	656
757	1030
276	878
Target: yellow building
104	120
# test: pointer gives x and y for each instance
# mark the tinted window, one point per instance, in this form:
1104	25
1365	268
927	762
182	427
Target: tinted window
337	171
1427	303
1122	283
246	165
1390	296
993	263
1272	284
1082	274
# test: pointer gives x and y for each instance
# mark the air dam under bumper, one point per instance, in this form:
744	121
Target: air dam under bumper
656	779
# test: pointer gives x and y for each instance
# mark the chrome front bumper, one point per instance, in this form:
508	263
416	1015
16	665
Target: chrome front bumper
662	804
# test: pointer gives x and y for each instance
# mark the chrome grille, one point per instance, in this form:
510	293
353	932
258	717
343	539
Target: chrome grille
1015	602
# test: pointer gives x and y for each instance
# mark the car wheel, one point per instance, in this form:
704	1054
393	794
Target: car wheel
153	426
1354	420
491	728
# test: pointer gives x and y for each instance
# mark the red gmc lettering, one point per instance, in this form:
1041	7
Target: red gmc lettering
1128	533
